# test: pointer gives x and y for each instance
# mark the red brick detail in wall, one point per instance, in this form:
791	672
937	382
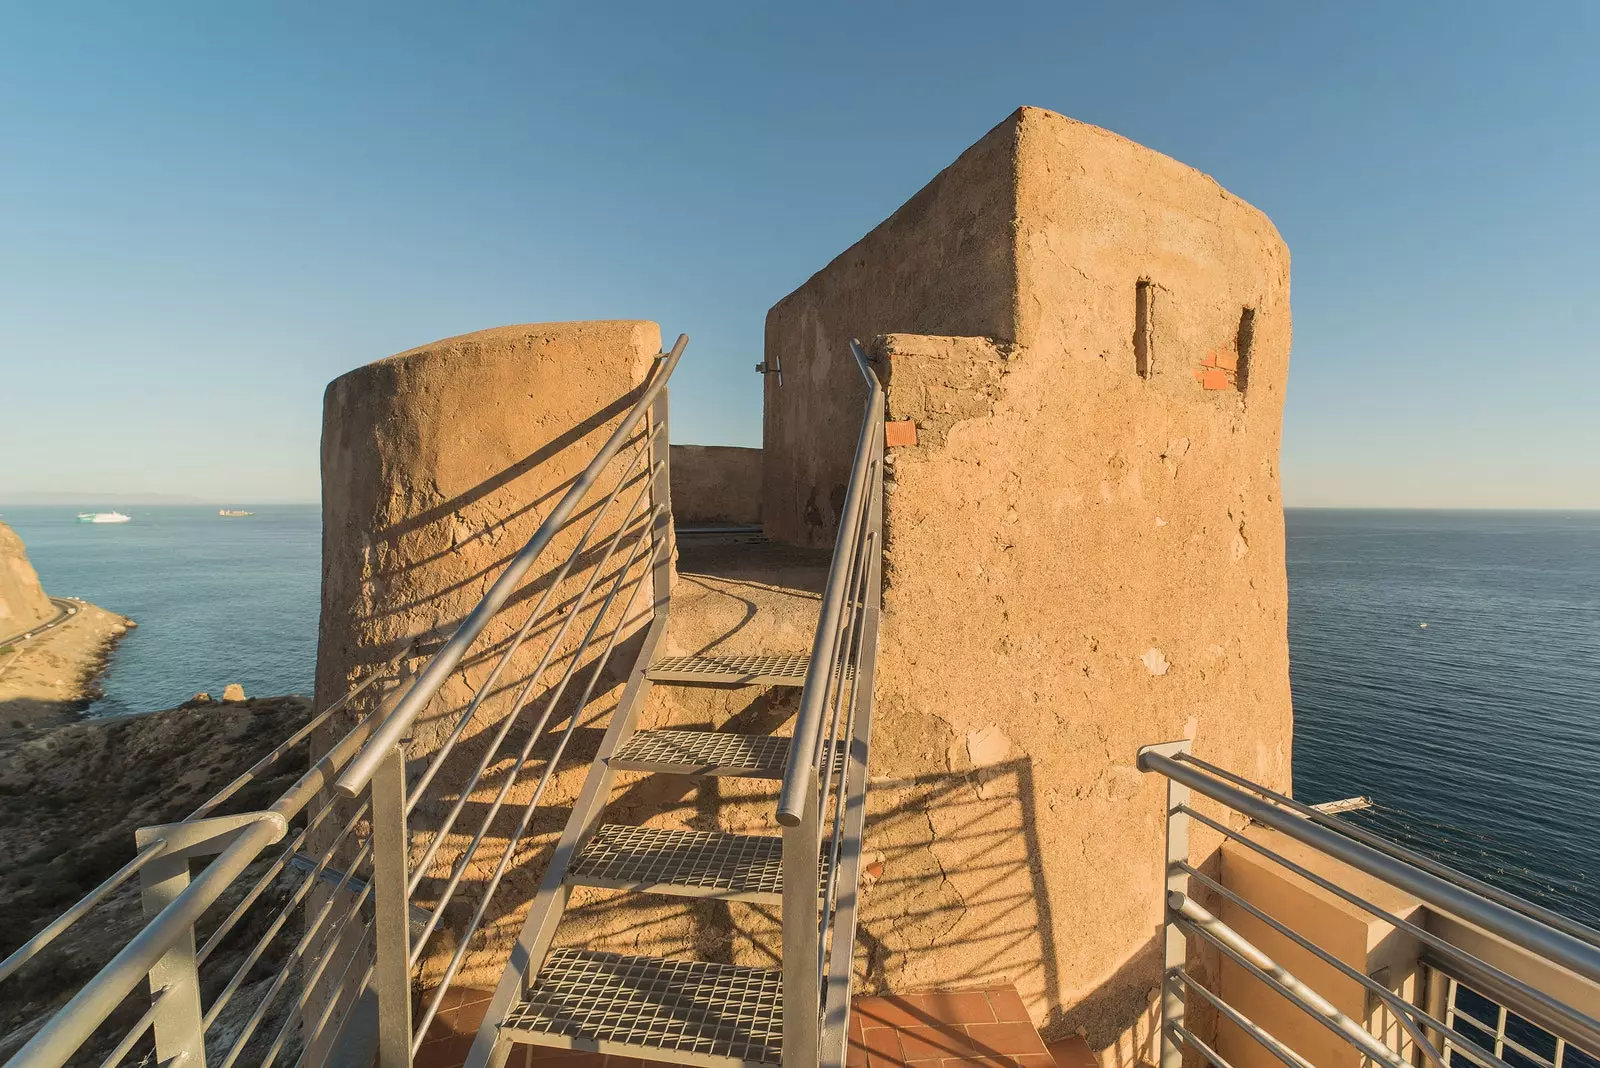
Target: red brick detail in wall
986	1027
1219	370
899	432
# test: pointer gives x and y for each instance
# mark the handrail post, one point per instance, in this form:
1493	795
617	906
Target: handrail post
1176	943
391	911
802	848
662	528
178	1021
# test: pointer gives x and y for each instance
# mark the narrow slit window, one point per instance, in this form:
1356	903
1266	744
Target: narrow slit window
1247	331
1144	296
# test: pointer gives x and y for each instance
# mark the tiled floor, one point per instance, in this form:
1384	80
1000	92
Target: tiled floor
987	1027
982	1028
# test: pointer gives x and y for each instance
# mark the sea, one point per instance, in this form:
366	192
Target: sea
1444	664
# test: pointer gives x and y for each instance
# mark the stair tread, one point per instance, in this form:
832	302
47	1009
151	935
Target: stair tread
746	867
647	1006
764	669
688	752
756	756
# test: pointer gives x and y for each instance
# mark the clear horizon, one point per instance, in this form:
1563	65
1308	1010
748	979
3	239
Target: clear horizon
215	211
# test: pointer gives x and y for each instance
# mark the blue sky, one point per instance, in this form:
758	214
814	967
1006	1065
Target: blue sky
210	210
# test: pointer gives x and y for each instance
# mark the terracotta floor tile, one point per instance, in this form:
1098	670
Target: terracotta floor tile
855	1054
1008	1006
891	1010
883	1043
875	1061
933	1043
1036	1060
1073	1052
955	1006
448	1053
1006	1038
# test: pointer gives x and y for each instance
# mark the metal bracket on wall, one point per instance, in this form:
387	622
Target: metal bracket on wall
772	367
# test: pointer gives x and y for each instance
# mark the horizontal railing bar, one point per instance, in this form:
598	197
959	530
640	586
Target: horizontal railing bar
414	792
306	883
1408	1014
72	1024
1198	921
1490	981
33	946
515	839
808	723
331	1003
288	968
1565	924
306	1044
1270	1042
266	879
464	794
396	725
1194	1042
135	1033
1573	1021
296	738
1571	953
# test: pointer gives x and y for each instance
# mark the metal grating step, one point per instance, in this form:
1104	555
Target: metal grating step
752	756
733	867
685	1011
755	756
766	670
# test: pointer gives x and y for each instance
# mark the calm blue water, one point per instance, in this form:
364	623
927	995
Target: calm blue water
1479	735
217	600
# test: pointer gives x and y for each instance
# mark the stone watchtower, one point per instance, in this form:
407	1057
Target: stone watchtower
1086	345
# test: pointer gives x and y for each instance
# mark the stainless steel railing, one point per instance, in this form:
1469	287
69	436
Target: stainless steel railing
269	956
825	782
1540	968
167	953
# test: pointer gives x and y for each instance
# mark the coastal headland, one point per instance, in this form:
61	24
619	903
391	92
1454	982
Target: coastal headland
52	650
73	790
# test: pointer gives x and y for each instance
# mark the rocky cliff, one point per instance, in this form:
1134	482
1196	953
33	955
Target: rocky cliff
23	603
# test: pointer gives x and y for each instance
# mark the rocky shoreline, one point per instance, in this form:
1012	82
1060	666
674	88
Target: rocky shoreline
71	797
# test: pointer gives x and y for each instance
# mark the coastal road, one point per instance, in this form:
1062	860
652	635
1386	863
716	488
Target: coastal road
65	609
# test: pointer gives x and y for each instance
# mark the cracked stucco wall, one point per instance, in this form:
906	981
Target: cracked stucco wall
1084	554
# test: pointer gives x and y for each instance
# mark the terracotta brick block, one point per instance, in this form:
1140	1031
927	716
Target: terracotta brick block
1073	1052
883	1044
956	1006
1214	378
1007	1005
891	1010
933	1043
1006	1038
899	432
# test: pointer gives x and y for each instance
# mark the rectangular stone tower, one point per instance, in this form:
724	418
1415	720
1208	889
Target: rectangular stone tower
1086	345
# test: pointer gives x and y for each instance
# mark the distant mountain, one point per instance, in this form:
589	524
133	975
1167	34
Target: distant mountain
55	497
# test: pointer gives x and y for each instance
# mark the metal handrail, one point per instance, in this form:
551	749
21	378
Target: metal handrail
395	727
1548	917
71	1025
1499	920
1515	926
824	646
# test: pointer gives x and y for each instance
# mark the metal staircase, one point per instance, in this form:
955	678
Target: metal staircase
384	845
698	1012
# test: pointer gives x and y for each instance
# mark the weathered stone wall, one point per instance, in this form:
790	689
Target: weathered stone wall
437	465
716	484
23	603
943	264
1084	554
